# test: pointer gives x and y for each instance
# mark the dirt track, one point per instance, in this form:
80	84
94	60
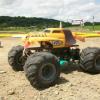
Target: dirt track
73	85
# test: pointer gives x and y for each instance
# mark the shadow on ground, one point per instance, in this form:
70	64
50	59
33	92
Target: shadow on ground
62	80
70	68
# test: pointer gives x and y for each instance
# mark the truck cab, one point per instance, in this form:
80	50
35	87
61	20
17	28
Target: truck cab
55	37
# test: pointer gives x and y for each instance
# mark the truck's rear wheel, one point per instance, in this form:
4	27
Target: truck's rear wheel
15	58
42	69
90	60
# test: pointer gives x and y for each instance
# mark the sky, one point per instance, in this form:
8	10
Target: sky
64	10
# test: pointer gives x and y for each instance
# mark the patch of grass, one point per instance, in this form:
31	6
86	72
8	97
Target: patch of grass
18	29
29	29
85	28
91	28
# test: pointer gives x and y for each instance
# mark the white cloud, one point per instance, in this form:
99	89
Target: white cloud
56	9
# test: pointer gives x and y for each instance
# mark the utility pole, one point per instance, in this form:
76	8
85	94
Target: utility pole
93	23
60	24
60	12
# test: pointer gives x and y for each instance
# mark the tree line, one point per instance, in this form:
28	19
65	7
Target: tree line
6	21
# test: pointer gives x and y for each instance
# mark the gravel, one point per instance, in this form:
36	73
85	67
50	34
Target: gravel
73	84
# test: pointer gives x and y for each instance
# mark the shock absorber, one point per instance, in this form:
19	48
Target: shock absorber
75	53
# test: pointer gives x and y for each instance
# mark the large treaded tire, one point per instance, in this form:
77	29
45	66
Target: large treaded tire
42	69
90	60
14	58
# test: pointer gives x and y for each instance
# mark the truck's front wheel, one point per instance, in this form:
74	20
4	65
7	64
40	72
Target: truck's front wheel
42	69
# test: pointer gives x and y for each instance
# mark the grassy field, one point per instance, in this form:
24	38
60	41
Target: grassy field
28	29
85	28
16	29
96	27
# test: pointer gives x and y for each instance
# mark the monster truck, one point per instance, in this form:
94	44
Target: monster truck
56	46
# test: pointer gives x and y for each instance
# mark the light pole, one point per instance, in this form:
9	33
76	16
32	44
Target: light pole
93	23
60	12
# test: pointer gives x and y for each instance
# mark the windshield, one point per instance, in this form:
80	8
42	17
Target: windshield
47	31
57	31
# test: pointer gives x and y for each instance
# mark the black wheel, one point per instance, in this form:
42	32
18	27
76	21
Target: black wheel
15	58
90	60
42	69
